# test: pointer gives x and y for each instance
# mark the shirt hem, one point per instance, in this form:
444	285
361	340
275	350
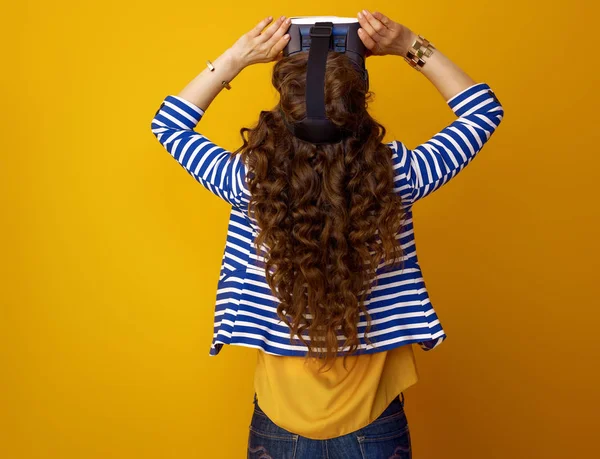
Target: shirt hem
355	430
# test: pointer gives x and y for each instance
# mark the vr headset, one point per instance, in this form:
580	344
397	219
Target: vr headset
318	35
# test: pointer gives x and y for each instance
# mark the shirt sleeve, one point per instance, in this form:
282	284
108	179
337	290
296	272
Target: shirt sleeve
426	168
212	166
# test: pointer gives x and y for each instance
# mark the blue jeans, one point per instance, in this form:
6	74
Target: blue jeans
387	437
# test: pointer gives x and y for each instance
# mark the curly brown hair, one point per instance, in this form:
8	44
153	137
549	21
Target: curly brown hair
327	213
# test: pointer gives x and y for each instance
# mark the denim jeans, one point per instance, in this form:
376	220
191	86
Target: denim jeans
387	437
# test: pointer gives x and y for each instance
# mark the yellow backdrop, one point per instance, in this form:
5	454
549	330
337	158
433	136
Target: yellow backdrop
111	252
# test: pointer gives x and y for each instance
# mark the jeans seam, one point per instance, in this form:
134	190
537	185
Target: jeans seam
286	437
366	439
295	446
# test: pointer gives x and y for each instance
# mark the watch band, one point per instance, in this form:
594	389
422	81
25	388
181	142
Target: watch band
419	49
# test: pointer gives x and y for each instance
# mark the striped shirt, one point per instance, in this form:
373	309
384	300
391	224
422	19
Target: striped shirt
399	305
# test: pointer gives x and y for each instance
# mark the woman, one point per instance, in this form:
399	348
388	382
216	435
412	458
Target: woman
320	246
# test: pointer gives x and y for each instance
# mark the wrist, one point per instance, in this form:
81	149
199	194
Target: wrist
232	62
405	41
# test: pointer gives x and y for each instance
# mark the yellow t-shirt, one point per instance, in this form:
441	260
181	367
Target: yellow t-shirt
336	402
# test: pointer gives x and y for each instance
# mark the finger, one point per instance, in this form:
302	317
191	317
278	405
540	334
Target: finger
367	40
255	32
367	27
279	32
376	24
387	22
278	47
269	31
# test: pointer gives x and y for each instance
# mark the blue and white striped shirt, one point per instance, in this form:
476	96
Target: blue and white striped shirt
399	305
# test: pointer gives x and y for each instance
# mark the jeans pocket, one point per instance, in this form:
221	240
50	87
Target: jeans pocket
269	446
388	437
266	440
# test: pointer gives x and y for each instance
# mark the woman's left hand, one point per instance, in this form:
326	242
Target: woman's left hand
255	47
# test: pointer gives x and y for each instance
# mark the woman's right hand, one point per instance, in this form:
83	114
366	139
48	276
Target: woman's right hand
383	36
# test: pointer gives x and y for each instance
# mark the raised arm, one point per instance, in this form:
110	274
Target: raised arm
424	169
212	166
173	124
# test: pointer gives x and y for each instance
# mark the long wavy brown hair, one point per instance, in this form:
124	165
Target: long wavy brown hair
327	213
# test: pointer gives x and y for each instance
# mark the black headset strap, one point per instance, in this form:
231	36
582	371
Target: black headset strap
320	37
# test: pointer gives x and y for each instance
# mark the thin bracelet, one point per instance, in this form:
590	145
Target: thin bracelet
212	69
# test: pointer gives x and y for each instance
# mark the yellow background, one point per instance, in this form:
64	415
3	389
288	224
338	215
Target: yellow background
110	251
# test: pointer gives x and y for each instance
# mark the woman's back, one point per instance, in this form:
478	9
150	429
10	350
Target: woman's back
399	303
312	242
